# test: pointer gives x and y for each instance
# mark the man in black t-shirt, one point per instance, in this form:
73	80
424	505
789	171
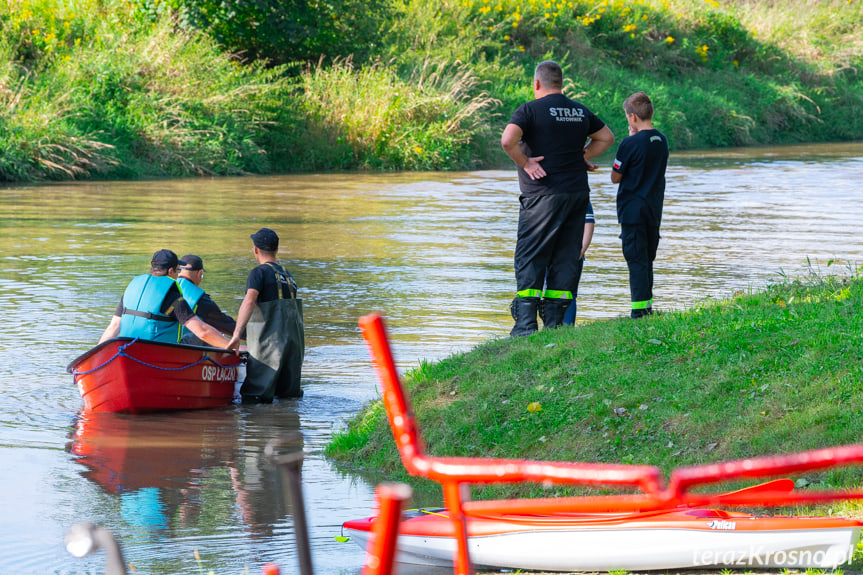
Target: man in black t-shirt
272	316
546	139
639	168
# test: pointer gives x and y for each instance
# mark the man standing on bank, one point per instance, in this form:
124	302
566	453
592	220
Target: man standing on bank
272	316
554	195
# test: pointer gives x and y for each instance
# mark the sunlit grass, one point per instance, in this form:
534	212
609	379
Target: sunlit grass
84	93
772	371
114	89
379	120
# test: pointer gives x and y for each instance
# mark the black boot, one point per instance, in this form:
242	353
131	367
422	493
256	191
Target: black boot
523	311
637	313
552	312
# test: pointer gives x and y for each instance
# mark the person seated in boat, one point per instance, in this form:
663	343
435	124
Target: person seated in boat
153	308
272	315
190	276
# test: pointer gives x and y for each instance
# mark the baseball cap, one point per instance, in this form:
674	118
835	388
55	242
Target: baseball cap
266	239
166	259
192	262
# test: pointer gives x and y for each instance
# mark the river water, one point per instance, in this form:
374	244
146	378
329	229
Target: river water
193	492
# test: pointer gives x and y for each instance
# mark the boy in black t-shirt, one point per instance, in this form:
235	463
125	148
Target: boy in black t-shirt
273	318
639	168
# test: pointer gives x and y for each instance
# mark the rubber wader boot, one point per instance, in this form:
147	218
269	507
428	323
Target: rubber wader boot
523	311
571	312
637	313
552	312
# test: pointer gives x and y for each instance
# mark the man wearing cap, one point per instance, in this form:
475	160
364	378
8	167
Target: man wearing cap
153	308
190	277
273	318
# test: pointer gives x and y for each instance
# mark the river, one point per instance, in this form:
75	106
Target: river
193	492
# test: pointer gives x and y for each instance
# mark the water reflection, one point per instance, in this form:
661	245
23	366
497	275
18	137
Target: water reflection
432	251
172	474
125	453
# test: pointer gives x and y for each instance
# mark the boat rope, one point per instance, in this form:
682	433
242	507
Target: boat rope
121	351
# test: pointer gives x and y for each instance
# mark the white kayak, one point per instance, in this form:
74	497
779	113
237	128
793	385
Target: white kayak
671	539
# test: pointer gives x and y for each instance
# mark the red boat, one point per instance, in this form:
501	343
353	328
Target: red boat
125	375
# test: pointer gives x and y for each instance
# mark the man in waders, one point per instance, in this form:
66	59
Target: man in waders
272	316
552	177
153	308
190	276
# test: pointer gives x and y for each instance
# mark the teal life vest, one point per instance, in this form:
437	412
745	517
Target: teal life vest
192	294
141	316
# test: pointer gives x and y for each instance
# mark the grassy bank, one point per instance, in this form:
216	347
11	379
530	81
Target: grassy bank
767	372
124	89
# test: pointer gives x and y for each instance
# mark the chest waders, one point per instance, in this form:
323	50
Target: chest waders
141	316
276	344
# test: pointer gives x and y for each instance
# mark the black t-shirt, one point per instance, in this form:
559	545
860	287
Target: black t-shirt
172	306
265	279
210	313
557	128
641	161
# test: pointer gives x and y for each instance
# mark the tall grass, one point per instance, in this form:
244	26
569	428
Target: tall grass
369	117
86	92
723	75
114	89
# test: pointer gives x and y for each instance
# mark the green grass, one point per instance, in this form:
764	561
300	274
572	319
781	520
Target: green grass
86	92
773	371
368	117
117	89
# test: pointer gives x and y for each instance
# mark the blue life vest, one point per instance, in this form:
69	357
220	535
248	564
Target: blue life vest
141	316
192	294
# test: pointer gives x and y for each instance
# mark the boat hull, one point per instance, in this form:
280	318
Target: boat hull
631	542
122	375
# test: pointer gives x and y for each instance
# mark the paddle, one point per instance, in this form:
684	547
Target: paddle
750	494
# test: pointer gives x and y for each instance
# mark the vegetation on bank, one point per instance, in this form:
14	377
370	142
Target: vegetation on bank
777	370
143	88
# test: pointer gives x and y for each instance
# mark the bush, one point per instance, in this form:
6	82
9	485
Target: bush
279	31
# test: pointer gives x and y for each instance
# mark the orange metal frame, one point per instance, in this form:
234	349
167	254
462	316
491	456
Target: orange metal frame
455	474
